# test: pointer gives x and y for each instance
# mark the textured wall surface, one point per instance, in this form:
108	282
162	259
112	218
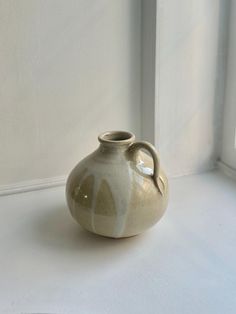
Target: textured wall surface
69	70
191	54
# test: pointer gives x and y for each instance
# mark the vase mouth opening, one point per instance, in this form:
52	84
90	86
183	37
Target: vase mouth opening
116	137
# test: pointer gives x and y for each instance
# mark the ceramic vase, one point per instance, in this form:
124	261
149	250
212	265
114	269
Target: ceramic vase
118	190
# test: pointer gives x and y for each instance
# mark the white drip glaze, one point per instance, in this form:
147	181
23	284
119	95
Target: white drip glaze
96	185
122	201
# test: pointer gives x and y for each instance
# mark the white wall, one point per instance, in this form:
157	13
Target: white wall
228	155
191	50
69	70
72	69
148	69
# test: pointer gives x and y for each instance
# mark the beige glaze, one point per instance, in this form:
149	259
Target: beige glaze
114	192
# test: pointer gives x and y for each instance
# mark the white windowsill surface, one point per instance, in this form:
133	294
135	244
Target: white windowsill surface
185	264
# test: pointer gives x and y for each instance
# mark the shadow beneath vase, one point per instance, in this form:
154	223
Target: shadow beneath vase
55	230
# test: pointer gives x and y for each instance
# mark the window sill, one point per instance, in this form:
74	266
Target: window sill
185	264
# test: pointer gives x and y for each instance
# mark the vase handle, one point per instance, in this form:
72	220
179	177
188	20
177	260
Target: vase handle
133	149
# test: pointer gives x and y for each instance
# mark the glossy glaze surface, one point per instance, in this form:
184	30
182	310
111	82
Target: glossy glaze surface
114	192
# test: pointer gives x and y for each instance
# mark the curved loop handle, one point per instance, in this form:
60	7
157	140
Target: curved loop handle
133	149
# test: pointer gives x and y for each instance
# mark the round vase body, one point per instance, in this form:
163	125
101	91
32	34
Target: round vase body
113	192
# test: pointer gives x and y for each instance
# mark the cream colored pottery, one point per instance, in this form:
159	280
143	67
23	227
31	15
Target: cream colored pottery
114	192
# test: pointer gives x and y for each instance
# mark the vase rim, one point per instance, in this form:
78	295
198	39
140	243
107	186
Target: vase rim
116	137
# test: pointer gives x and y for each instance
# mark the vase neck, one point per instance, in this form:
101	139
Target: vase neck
115	140
119	149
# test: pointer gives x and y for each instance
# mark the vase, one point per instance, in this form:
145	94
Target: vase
119	190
